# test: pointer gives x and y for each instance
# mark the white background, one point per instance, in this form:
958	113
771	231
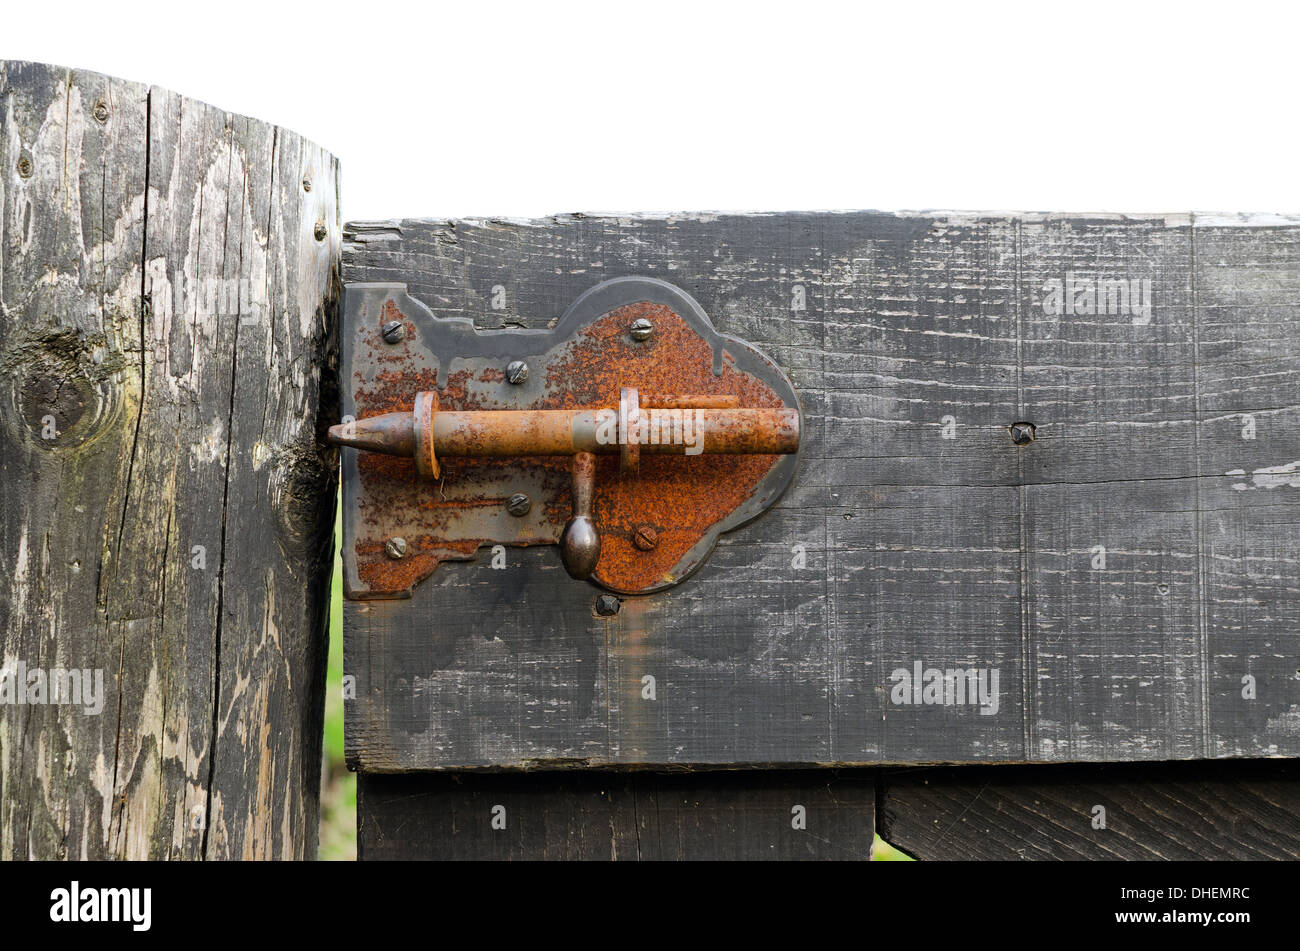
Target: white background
527	109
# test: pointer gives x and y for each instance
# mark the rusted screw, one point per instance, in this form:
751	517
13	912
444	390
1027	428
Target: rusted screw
395	548
519	504
517	371
1022	434
306	184
101	111
645	538
25	167
641	329
321	231
394	331
607	605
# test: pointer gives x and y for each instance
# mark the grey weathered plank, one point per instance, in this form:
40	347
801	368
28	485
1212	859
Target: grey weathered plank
1134	811
593	815
954	552
167	301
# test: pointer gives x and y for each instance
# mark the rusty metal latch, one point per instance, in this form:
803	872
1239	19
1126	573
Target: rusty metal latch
482	429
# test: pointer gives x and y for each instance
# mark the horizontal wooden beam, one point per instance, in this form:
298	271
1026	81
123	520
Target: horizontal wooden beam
1222	810
1122	586
585	815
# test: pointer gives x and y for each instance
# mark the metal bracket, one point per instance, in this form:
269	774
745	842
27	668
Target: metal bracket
632	434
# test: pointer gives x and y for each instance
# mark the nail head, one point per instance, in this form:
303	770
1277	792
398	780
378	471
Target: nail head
1022	434
645	538
641	329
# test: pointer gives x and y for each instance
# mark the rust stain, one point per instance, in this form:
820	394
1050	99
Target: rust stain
681	497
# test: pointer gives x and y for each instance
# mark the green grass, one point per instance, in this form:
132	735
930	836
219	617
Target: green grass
882	851
338	816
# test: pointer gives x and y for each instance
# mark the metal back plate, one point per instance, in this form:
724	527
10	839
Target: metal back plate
580	363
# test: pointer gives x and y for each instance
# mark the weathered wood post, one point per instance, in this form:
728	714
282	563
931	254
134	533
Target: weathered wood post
168	286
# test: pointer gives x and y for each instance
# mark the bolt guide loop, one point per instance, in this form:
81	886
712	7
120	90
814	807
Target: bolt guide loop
632	435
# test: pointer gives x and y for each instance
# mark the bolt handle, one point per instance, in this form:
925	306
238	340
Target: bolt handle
580	542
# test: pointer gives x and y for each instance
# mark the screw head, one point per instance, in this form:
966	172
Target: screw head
645	538
25	167
607	605
321	231
395	548
519	504
1022	434
101	111
394	331
517	371
641	329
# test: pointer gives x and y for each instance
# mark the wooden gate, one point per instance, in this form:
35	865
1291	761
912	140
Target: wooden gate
1051	458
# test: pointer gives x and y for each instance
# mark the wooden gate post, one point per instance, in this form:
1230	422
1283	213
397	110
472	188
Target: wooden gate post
168	286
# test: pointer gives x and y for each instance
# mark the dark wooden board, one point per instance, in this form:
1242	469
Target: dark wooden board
168	282
595	815
1131	811
953	552
1206	810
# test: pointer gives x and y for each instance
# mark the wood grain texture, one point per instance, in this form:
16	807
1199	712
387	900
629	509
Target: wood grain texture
1206	810
169	303
589	815
1131	575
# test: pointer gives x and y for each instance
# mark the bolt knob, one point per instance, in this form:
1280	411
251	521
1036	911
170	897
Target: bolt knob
580	547
580	541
